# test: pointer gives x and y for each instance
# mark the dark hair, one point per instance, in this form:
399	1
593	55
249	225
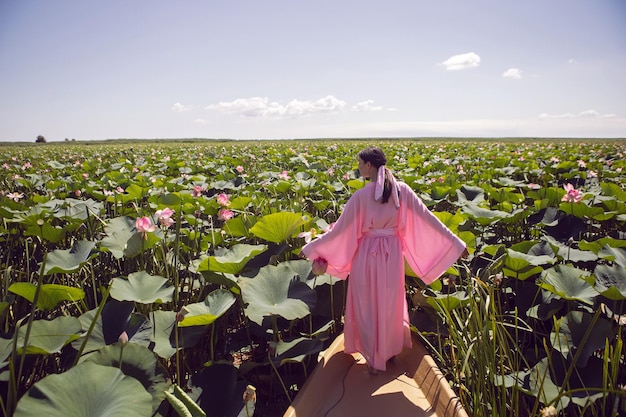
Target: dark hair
376	157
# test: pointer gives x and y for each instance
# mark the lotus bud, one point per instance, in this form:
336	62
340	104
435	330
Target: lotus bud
319	266
249	394
123	339
182	313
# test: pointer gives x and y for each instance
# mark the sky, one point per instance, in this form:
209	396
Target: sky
269	69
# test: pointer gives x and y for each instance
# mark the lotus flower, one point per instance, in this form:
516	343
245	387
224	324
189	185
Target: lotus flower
225	214
223	199
573	195
144	225
165	216
319	266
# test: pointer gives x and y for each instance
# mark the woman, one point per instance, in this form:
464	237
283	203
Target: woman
382	224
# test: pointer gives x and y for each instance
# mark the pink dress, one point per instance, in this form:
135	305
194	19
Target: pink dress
369	242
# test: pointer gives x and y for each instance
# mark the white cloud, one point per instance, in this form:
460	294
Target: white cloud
462	61
586	114
201	121
367	105
514	73
178	107
571	61
262	107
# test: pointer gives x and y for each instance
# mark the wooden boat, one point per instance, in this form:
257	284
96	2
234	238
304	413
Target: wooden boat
340	385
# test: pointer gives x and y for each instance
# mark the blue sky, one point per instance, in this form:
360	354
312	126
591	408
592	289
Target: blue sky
255	69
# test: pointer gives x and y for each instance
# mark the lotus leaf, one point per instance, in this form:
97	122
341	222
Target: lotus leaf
448	302
50	295
218	392
276	290
232	260
580	331
165	344
237	227
277	227
118	230
470	194
296	350
115	319
484	216
214	306
87	390
569	283
143	288
136	361
48	336
597	245
611	281
71	260
617	255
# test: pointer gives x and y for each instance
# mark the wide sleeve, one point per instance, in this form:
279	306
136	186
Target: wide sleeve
339	244
430	248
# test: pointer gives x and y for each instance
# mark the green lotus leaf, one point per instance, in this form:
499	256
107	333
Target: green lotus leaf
597	245
240	203
236	227
440	192
613	190
448	302
46	231
50	295
232	260
71	260
164	337
570	254
118	231
470	194
356	184
137	362
214	306
540	385
617	255
569	283
227	280
86	390
143	288
218	391
296	350
452	221
578	331
276	290
48	336
110	326
483	215
277	227
611	281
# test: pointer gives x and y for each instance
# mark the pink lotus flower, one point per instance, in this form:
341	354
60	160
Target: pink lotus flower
239	169
319	266
144	225
307	236
572	195
283	175
197	191
225	214
15	196
165	216
223	200
6	166
120	190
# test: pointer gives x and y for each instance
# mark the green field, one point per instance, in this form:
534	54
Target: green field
105	243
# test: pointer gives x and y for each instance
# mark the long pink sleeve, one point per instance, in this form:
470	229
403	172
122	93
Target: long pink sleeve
339	244
430	248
